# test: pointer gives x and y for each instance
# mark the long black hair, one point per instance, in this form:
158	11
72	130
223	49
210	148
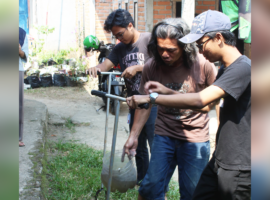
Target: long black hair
173	28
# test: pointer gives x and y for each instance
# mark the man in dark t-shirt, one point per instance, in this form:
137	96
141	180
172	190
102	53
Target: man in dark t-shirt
131	53
128	56
227	175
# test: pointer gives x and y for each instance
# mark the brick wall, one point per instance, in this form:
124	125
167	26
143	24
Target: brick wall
103	9
141	16
204	5
141	11
165	8
131	8
115	4
162	10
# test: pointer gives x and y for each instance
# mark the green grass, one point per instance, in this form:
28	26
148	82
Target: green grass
69	124
74	173
34	91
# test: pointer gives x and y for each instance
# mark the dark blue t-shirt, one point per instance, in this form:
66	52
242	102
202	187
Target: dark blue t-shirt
233	136
130	55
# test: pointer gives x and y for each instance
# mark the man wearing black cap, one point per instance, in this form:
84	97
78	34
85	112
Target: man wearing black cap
227	175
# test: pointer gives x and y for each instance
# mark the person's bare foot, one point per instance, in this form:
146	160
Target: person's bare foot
21	144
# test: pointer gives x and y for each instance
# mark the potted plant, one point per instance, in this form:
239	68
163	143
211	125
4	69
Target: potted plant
81	72
59	79
33	78
46	80
71	79
66	62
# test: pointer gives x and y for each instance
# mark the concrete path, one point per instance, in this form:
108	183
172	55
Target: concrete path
35	123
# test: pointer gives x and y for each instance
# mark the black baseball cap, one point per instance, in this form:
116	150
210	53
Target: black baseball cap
206	22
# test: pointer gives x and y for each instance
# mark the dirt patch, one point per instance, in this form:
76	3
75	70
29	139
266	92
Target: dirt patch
71	93
80	107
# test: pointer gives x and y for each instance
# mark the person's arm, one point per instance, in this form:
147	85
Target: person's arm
192	100
102	67
140	118
105	66
183	101
207	108
23	51
132	71
168	91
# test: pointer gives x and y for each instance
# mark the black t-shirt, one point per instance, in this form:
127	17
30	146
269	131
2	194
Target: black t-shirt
130	55
233	136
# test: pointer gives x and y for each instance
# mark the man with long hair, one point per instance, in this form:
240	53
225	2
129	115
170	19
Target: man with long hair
181	135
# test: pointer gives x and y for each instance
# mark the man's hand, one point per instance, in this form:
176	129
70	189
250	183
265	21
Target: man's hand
135	100
130	148
21	53
152	86
102	67
93	71
130	71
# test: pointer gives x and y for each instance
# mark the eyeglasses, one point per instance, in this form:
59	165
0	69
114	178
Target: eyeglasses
200	46
120	36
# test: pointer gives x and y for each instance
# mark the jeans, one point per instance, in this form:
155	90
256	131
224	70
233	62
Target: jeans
191	159
147	133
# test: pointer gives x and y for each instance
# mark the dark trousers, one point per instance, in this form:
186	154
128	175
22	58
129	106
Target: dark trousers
147	134
217	183
21	91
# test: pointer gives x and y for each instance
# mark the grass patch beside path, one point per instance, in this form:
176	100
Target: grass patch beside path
74	173
69	124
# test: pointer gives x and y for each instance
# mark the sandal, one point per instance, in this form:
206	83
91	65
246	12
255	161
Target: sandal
21	144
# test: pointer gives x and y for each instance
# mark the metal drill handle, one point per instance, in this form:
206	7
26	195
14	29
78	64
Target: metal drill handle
104	94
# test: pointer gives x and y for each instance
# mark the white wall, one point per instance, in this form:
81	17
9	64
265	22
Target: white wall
67	38
38	10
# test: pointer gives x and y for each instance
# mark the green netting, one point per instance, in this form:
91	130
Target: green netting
244	29
232	10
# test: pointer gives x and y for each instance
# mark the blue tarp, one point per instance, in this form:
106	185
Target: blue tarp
23	15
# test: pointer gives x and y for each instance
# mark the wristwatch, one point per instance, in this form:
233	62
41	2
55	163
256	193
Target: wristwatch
153	96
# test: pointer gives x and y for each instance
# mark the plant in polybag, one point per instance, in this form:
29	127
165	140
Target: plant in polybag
124	174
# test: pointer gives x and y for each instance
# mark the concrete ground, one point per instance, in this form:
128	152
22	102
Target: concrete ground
35	125
44	111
